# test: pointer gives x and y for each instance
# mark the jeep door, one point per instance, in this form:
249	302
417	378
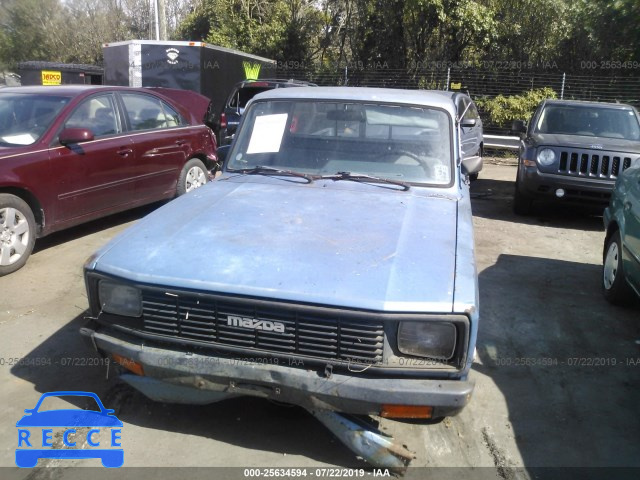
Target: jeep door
93	177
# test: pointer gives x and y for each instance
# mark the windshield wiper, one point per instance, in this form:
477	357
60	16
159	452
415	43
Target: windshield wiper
361	177
262	170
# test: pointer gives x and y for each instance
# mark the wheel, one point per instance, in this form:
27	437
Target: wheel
193	175
17	233
26	459
614	286
112	459
521	203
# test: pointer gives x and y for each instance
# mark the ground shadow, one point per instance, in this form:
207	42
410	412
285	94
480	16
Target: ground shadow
493	199
559	354
94	226
250	423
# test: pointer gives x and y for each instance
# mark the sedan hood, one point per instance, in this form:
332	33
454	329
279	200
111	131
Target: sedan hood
587	142
342	244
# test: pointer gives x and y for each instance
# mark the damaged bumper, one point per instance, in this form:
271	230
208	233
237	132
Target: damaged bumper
180	377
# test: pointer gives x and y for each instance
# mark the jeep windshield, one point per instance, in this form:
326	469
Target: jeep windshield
340	140
24	117
589	121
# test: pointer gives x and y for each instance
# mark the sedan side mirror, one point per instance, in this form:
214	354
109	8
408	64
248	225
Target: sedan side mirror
69	136
519	126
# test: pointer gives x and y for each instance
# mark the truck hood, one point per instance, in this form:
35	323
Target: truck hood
342	244
585	142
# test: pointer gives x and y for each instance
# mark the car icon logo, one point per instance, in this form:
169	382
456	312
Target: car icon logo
36	433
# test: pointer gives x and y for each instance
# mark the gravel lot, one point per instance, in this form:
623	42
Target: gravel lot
557	371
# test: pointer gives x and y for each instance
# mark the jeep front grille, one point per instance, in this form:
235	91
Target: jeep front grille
586	163
320	335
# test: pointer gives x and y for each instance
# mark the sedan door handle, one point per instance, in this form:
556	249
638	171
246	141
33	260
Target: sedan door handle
180	142
125	152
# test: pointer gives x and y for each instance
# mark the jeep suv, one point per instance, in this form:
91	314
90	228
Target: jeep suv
237	101
574	152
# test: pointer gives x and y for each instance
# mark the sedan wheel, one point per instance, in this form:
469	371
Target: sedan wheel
195	178
17	233
614	285
193	175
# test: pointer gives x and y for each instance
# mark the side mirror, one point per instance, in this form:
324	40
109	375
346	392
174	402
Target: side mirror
222	153
519	126
69	136
469	122
471	165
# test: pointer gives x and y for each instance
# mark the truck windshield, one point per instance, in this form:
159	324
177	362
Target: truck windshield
589	121
25	117
400	143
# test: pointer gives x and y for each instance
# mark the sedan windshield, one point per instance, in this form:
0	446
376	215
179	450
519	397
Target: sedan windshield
25	117
320	138
589	121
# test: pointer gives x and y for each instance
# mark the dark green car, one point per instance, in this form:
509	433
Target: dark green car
621	258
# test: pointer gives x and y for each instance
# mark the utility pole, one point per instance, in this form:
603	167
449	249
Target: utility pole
160	19
162	14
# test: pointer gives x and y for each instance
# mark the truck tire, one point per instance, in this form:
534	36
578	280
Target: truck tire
193	175
614	286
17	233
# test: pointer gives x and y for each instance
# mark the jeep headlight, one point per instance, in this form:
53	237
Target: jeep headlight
119	299
427	339
546	157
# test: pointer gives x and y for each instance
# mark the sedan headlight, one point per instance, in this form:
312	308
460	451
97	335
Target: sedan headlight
546	157
120	299
427	339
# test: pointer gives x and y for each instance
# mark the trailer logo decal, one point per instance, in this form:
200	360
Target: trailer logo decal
255	324
51	78
251	70
172	55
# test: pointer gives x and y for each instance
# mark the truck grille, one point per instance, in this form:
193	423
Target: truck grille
205	319
585	163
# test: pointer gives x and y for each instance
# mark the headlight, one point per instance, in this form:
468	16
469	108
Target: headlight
427	339
546	157
119	299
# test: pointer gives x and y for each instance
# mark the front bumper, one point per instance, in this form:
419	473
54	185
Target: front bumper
583	190
176	376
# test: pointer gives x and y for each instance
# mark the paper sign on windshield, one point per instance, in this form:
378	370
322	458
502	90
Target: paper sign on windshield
267	133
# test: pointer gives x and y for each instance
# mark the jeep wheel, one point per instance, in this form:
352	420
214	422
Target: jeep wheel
614	286
193	175
521	203
17	233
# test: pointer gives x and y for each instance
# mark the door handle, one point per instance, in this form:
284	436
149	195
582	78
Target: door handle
180	142
124	152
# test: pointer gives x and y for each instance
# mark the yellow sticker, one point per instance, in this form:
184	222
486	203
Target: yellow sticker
456	86
51	78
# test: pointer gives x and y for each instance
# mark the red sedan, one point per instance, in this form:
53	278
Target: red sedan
70	154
